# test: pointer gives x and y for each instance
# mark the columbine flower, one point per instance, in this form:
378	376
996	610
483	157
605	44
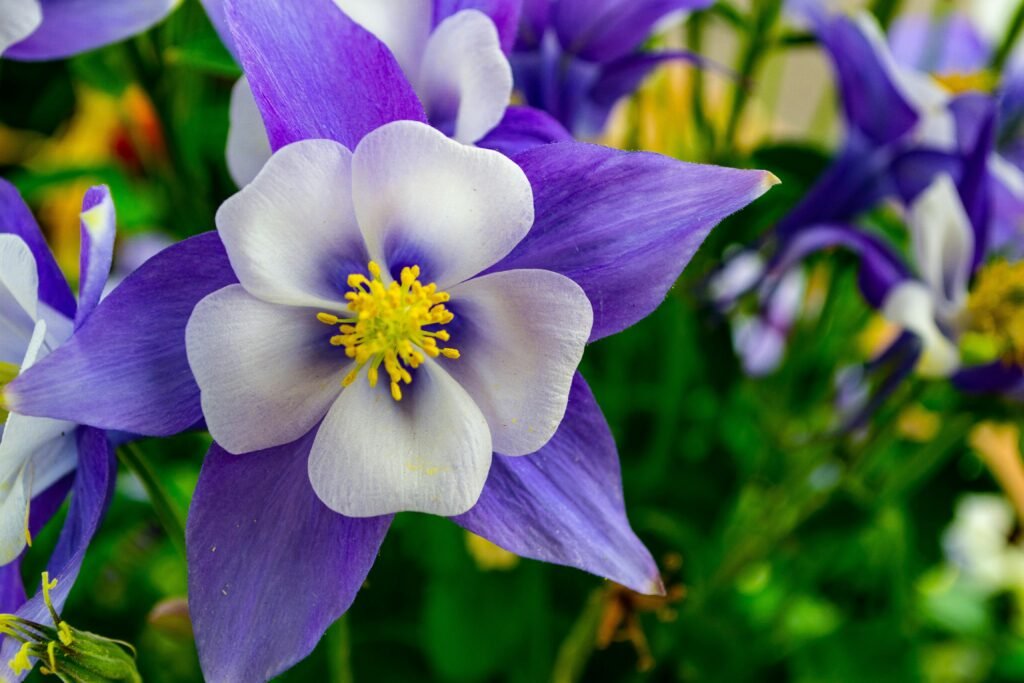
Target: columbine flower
515	259
53	29
44	457
451	54
360	315
576	58
904	125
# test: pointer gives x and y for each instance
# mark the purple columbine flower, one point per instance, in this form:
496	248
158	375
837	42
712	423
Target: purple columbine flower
576	58
33	30
452	53
294	344
43	457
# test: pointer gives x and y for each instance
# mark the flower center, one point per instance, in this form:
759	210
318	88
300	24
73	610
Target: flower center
386	326
7	374
957	83
995	309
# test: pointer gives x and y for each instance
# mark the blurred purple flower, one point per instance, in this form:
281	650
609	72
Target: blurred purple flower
576	58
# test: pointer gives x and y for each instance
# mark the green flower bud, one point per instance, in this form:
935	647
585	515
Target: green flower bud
71	655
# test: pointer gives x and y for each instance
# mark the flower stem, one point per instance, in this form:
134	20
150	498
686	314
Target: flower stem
339	652
765	16
1009	40
170	516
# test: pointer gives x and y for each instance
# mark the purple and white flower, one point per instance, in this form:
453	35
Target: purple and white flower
33	30
441	378
43	457
575	59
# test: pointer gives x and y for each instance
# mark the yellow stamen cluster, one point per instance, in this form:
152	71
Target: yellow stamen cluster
34	637
957	83
995	308
386	326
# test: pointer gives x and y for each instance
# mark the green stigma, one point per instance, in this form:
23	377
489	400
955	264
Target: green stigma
8	372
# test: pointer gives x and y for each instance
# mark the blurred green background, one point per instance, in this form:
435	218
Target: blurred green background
792	553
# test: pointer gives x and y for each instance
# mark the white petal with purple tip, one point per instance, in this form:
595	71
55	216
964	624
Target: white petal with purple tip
529	328
266	372
912	306
464	208
465	78
282	230
943	246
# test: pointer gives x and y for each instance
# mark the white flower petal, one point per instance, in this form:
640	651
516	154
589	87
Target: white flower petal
943	245
13	507
465	78
910	304
19	287
402	25
291	233
525	331
248	147
45	448
266	373
18	20
458	209
429	452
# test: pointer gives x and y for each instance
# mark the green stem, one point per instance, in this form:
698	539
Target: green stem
765	16
885	11
167	512
339	652
578	646
1009	40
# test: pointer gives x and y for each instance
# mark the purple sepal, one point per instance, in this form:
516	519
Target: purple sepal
99	229
131	350
270	566
563	504
522	129
975	117
880	268
623	225
315	73
873	103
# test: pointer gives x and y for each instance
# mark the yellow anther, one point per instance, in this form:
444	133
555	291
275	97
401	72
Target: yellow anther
327	318
51	650
995	308
21	663
958	83
386	326
64	633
